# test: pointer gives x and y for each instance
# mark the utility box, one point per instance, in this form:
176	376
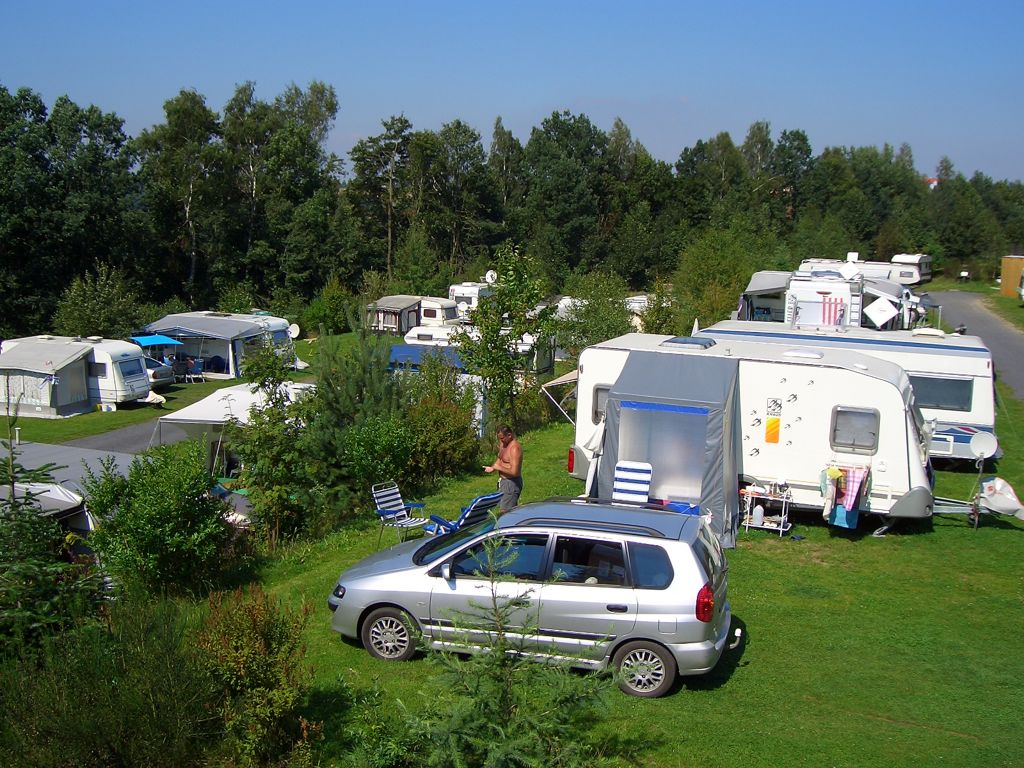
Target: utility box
1010	274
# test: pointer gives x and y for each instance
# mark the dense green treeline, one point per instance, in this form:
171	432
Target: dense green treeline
246	206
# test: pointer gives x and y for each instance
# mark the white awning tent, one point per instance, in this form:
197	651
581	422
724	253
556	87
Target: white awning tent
209	415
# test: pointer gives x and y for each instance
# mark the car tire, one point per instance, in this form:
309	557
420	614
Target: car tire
645	669
390	634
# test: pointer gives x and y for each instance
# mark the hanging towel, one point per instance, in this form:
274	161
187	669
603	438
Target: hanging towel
854	480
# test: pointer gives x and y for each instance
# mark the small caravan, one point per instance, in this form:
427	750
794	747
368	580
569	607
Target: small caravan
710	416
537	354
467	295
952	375
397	315
221	340
56	376
922	261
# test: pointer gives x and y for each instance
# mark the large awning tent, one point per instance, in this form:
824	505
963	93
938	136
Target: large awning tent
44	379
662	411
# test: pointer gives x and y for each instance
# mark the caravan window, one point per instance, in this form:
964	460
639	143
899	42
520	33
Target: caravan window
944	394
98	369
600	403
131	369
854	429
431	313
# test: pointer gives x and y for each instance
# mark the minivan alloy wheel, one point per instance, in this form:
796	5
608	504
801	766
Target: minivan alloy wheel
389	634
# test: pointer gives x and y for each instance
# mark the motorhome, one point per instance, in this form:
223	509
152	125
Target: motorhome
898	272
783	416
467	295
952	374
829	297
397	315
54	376
221	340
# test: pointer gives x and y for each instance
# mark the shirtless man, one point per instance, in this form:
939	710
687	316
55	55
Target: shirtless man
509	466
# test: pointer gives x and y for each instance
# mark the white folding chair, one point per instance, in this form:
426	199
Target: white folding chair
394	513
632	481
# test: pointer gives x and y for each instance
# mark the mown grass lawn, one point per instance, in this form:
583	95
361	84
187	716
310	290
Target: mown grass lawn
859	651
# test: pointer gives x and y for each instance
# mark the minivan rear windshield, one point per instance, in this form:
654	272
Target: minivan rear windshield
440	546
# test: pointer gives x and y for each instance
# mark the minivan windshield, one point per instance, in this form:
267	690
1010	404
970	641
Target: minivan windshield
440	546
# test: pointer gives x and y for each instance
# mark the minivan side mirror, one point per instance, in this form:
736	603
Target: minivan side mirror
446	571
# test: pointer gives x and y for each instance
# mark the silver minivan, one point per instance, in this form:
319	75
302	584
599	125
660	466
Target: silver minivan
637	588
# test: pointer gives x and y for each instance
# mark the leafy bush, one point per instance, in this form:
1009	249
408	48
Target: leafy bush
377	449
128	692
330	308
159	526
104	303
253	650
445	440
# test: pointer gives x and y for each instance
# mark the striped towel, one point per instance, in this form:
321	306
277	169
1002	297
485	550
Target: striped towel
855	477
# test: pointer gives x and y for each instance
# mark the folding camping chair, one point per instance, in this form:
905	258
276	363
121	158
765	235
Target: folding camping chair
632	481
477	510
195	371
394	513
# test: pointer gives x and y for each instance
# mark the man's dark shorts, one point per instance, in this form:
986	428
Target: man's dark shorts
510	490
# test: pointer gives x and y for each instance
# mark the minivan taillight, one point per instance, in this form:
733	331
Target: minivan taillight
570	462
706	603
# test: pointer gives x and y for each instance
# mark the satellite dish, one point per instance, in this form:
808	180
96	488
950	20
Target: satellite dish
849	271
463	307
491	277
293	330
983	445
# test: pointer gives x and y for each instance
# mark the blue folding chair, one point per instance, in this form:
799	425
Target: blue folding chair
394	513
632	481
477	510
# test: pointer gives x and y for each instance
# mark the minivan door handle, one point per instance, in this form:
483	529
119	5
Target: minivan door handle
617	608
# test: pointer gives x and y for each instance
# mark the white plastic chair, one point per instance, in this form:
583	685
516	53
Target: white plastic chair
394	513
632	481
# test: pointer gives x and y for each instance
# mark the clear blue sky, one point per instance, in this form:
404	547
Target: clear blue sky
943	76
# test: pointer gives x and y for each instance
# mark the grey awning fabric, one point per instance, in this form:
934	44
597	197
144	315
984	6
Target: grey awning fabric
566	378
211	327
42	357
676	411
767	282
395	303
884	288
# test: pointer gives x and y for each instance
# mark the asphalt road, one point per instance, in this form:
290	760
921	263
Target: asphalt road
133	439
1004	339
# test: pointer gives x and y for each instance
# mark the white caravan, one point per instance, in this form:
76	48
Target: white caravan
922	261
467	295
952	375
112	371
789	414
397	315
221	340
829	297
898	272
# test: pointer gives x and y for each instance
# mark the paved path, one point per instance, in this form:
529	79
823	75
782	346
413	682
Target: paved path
133	439
1005	340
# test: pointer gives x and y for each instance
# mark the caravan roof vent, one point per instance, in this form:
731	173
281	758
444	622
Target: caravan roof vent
94	339
807	354
938	333
690	341
45	337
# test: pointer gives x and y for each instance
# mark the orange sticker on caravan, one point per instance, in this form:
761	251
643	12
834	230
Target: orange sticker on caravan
771	430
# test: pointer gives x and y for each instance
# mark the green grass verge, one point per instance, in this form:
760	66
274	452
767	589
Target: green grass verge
859	651
1009	308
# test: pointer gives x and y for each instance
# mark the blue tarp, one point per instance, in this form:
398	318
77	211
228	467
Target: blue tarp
411	355
155	340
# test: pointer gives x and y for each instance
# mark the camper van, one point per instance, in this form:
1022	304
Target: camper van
219	341
95	371
539	356
952	375
778	415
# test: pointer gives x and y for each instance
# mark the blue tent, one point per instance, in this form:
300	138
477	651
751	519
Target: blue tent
411	356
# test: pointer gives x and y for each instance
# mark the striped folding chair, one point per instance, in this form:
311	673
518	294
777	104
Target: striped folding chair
632	481
393	512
